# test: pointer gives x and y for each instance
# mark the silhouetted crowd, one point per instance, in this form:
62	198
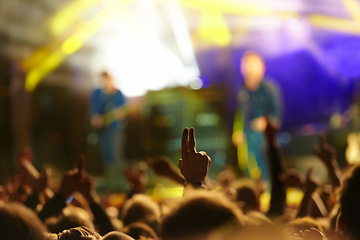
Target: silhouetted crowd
224	208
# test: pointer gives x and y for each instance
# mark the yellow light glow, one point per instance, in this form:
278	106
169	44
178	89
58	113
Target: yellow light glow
265	198
236	7
49	57
34	77
68	15
72	45
294	196
352	151
69	46
353	8
35	59
338	24
213	29
160	193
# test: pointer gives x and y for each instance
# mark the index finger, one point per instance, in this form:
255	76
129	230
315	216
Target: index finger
192	142
81	164
184	142
322	139
309	172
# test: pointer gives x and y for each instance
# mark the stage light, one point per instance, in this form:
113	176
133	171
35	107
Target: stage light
67	15
213	29
196	84
35	75
72	45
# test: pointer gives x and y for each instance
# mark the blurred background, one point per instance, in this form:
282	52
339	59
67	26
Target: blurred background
177	63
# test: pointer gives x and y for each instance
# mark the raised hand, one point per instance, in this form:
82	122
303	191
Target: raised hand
163	166
38	182
324	151
72	180
193	165
137	177
292	178
327	155
310	184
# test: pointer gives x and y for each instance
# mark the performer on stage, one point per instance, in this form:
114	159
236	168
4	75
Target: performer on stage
107	107
256	98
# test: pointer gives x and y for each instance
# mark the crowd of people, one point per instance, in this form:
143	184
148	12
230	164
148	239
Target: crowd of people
224	208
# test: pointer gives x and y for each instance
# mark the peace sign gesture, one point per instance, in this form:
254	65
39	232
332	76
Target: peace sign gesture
193	165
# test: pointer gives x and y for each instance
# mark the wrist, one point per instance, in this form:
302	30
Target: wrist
195	185
92	197
64	193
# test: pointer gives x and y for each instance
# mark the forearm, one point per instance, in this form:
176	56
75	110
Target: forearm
53	207
32	201
334	173
176	177
305	205
278	191
101	220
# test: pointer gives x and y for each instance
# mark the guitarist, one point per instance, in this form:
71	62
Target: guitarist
107	108
257	99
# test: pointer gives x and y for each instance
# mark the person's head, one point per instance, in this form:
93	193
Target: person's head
72	217
349	218
304	223
138	230
107	81
19	222
252	67
245	194
79	233
200	213
256	218
141	208
117	236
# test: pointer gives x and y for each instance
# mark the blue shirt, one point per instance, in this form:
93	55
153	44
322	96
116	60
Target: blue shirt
102	103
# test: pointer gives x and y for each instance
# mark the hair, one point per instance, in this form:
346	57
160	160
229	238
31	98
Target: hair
105	74
256	218
305	223
116	236
246	195
350	201
200	213
141	208
72	217
19	222
139	229
252	53
77	233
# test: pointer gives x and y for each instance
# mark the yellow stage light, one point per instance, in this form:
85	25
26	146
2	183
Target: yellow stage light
213	29
72	45
34	77
69	14
354	9
341	25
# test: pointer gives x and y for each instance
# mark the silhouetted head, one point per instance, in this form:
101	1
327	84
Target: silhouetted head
117	236
71	217
200	213
18	222
141	208
139	230
79	233
246	194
